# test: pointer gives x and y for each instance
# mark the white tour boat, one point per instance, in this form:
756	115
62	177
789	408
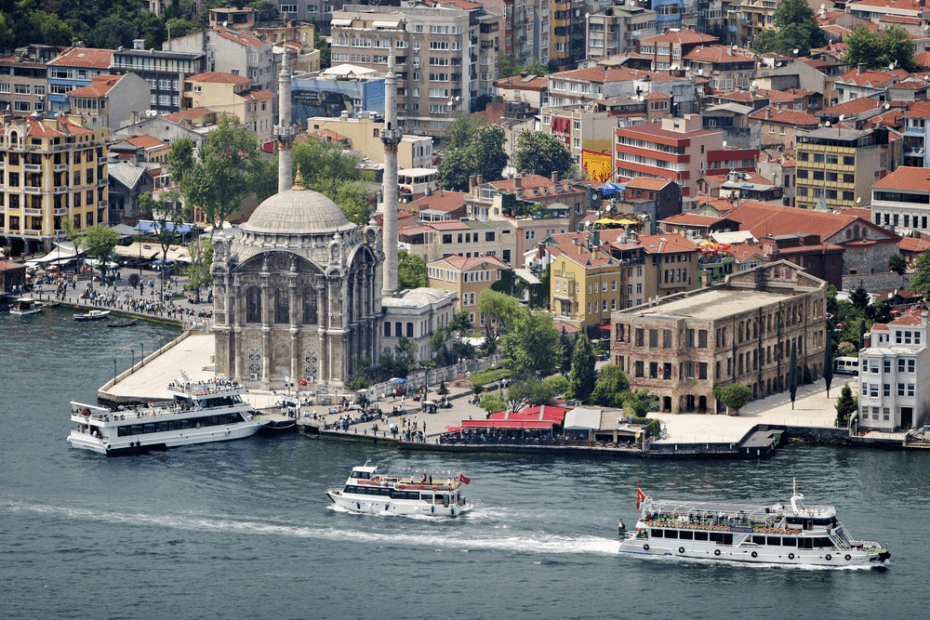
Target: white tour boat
795	534
202	412
367	491
27	306
92	315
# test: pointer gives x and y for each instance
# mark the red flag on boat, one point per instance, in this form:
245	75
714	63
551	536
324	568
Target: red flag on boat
465	479
303	383
640	496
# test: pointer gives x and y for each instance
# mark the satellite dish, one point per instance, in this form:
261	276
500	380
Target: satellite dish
859	199
823	6
827	123
724	144
842	117
891	67
795	51
887	106
225	23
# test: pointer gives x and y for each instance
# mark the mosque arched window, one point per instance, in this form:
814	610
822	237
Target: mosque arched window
282	306
253	305
310	309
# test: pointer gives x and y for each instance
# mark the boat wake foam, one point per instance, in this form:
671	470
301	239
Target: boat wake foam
465	539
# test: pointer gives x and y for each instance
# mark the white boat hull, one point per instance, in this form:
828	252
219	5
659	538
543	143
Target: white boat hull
162	441
364	504
27	312
699	550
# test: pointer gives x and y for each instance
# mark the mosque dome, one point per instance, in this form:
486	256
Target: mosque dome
297	211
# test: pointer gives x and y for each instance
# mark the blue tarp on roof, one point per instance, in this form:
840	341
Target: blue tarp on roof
148	226
610	187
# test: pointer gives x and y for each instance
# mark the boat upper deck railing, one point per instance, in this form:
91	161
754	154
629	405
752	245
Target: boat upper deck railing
85	413
205	388
411	483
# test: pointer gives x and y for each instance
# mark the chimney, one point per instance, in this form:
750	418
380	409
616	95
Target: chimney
555	176
518	181
471	184
138	44
860	68
479	179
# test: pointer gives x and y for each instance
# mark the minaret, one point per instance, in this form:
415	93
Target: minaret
284	131
390	136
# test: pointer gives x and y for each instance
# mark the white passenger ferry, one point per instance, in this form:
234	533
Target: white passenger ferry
776	534
202	412
367	491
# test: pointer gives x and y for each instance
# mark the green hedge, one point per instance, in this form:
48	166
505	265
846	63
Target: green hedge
490	375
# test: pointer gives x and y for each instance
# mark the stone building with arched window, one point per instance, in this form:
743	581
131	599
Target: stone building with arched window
297	294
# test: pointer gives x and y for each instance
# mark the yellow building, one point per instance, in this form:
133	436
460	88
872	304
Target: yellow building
225	93
467	277
586	282
50	169
363	136
837	167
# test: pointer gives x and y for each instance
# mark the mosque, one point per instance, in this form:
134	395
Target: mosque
297	293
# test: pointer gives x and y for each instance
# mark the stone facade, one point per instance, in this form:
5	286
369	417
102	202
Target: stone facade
297	294
738	332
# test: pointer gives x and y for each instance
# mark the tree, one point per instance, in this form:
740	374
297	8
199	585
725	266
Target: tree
793	373
879	50
100	241
549	388
327	169
498	311
583	376
507	67
542	154
460	131
733	396
828	360
533	345
611	387
492	403
568	351
832	307
226	173
320	43
198	274
482	154
535	68
861	300
795	31
264	10
920	282
411	271
846	406
897	264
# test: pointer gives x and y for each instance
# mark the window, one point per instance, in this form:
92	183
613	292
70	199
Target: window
653	370
653	338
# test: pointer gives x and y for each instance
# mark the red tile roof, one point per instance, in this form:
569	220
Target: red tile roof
906	178
218	77
691	219
84	57
667	244
240	37
647	183
911	244
190	113
765	219
919	109
258	94
99	87
463	263
854	107
146	141
900	5
719	53
786	117
684	35
517	82
873	78
578	251
442	200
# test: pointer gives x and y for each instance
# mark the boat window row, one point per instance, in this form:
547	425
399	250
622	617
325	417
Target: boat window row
177	425
388	492
724	538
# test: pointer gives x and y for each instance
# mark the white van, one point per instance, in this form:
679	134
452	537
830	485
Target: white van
846	365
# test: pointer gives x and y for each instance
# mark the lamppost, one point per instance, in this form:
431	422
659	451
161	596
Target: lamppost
114	370
133	366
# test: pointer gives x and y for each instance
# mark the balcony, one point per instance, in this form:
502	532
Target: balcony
32	212
32	190
60	212
60	167
61	189
32	167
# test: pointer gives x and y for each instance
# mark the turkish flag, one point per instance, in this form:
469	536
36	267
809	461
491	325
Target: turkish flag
465	479
640	496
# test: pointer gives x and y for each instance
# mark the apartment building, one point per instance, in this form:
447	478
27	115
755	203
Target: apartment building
164	71
617	29
234	95
445	55
524	30
110	100
600	83
861	82
364	137
726	67
671	14
586	283
227	50
73	68
836	167
894	373
24	79
467	278
741	331
579	127
679	149
433	240
917	135
901	201
566	32
50	169
668	49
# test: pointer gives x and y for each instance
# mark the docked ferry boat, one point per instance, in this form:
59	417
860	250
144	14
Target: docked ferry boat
776	534
202	412
367	491
27	306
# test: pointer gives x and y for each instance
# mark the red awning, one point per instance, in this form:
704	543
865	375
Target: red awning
509	424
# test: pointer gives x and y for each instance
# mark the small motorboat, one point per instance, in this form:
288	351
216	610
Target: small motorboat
92	315
27	306
121	323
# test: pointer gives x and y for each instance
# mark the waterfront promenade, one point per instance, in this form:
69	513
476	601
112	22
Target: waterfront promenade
192	352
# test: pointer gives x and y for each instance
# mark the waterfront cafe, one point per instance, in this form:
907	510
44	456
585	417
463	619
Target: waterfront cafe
532	422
